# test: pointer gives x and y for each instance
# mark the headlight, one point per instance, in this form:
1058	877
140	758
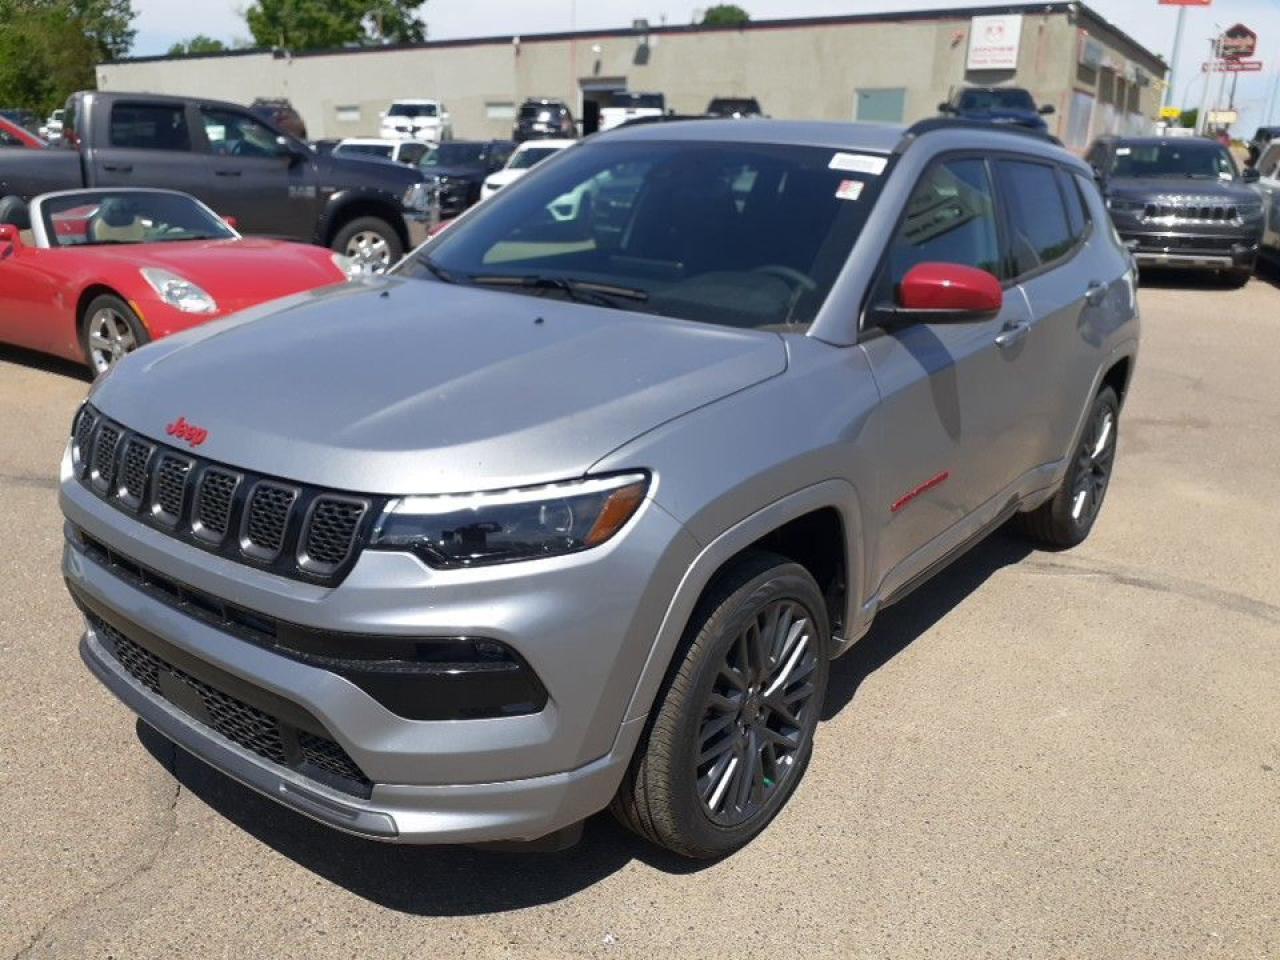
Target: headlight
1121	205
348	266
503	527
417	197
178	291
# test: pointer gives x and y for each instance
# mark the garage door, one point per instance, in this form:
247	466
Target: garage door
881	106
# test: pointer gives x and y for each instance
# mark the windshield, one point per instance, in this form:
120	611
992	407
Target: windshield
742	235
540	111
530	157
1197	160
364	149
996	100
454	155
97	217
733	106
412	110
639	101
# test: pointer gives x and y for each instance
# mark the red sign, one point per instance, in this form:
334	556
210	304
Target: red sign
1238	42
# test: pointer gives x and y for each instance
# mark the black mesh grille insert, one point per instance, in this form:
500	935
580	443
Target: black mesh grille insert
83	435
213	503
266	519
133	470
171	487
103	468
241	723
331	531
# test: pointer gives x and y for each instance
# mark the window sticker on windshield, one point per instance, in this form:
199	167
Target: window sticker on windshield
1123	151
859	163
849	190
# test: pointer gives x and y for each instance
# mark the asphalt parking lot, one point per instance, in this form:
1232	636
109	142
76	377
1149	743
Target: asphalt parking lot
1038	755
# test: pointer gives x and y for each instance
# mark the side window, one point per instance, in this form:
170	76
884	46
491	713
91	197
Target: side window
149	126
950	218
1077	215
1038	228
411	153
239	135
1269	165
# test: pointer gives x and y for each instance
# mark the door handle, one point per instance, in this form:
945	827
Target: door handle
1013	335
226	173
118	167
1096	293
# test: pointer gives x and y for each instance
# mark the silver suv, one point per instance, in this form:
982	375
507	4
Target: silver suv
575	508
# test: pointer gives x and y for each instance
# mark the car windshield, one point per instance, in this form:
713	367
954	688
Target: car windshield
412	110
996	100
99	217
1197	160
540	111
363	149
742	235
729	107
454	155
639	101
530	157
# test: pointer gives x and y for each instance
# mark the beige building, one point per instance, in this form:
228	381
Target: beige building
877	67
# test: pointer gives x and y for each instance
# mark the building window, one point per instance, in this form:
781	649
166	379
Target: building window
1079	119
881	106
500	110
347	114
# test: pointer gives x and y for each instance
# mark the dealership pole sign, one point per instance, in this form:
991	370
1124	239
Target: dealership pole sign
994	42
1237	43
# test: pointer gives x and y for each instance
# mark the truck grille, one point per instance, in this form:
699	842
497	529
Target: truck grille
293	530
1190	211
228	716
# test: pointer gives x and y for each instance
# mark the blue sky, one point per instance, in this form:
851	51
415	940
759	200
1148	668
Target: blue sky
162	22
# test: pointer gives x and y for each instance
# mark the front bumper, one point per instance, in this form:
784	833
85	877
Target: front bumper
585	624
418	226
1184	250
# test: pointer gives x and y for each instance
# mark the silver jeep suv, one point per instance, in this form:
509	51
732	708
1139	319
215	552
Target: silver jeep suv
575	508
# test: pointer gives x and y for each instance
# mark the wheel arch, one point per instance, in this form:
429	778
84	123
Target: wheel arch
828	510
347	205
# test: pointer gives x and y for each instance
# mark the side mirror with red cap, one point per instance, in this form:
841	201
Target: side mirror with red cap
943	293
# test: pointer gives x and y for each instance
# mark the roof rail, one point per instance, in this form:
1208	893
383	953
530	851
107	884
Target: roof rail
922	127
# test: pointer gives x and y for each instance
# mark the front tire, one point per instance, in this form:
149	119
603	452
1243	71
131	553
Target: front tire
371	243
1067	519
109	330
732	733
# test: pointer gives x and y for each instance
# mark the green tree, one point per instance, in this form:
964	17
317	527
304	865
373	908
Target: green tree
317	24
107	23
725	15
197	44
1189	118
45	55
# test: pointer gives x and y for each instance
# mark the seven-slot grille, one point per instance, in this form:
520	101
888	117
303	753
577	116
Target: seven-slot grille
1191	210
291	529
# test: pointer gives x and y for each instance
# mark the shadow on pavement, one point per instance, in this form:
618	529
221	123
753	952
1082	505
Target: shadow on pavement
42	361
464	881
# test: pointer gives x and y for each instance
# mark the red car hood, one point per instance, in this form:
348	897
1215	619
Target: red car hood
236	273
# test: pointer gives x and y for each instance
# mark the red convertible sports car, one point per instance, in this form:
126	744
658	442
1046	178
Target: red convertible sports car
93	274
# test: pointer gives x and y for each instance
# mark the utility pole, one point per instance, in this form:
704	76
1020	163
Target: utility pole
1177	53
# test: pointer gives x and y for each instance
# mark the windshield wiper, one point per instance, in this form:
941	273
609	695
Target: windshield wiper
437	271
583	291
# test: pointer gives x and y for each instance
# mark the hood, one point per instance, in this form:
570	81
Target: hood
395	386
236	273
1180	188
354	171
504	177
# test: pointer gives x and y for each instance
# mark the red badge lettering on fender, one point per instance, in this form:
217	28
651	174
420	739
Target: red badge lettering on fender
187	432
920	491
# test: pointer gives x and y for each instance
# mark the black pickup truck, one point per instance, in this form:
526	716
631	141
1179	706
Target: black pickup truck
238	164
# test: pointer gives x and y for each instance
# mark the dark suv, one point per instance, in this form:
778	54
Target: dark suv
734	108
459	168
543	119
1181	202
1003	105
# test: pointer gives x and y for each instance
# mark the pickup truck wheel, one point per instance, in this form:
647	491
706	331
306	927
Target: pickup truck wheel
1067	519
733	730
370	242
108	331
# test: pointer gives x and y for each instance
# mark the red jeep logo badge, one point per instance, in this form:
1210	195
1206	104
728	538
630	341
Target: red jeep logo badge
187	431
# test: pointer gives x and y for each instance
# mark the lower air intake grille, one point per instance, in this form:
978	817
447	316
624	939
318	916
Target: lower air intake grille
233	719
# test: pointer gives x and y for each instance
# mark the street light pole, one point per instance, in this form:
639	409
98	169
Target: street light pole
1177	53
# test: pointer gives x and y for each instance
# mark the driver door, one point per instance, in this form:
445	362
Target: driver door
949	411
254	178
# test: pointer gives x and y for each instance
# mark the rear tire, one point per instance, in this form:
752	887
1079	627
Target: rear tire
732	731
1067	519
371	242
109	330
